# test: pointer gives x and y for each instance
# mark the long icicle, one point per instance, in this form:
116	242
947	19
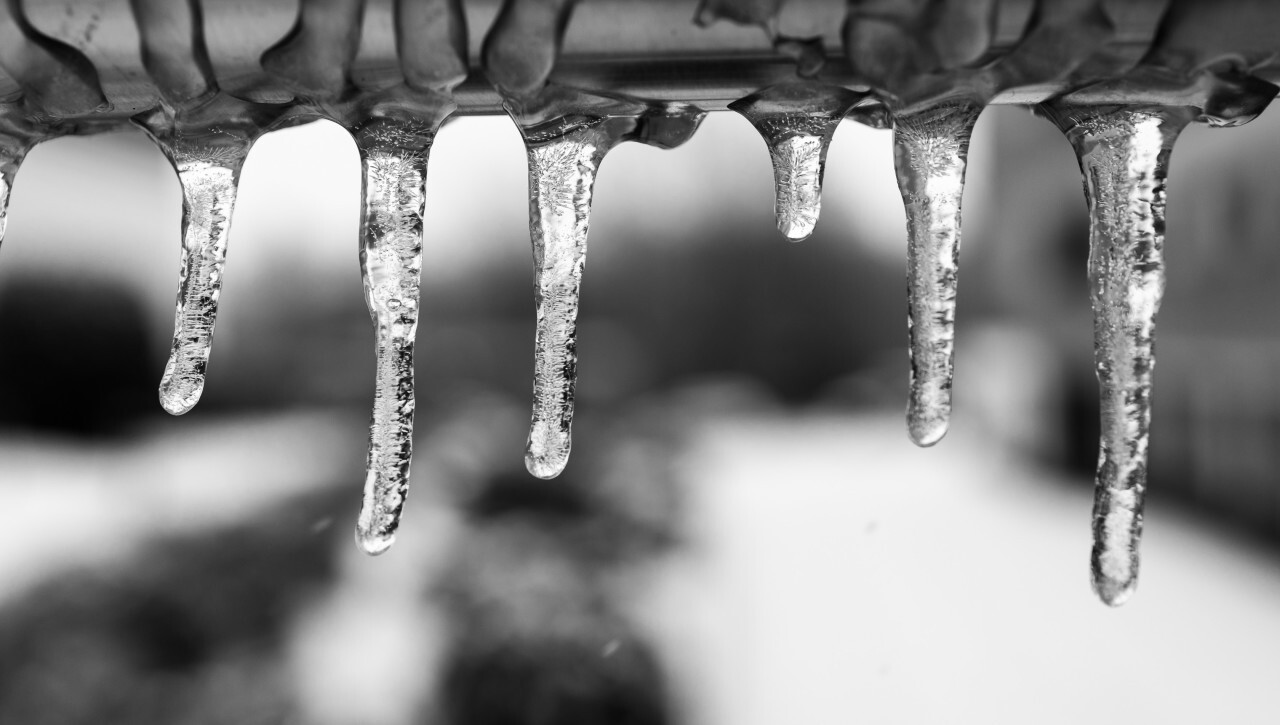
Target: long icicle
209	176
562	174
1124	156
393	155
930	152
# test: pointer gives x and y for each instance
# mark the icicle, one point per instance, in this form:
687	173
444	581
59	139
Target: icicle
562	173
207	145
797	121
209	183
930	151
1124	155
11	156
567	133
393	155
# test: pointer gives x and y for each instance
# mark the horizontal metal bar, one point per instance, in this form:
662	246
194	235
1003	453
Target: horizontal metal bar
648	48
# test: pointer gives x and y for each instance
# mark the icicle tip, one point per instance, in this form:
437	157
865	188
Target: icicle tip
1112	592
179	395
926	430
796	228
547	452
373	542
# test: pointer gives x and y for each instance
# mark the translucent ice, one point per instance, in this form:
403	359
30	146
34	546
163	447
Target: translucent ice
567	134
797	121
10	160
207	144
393	155
1124	155
562	174
930	151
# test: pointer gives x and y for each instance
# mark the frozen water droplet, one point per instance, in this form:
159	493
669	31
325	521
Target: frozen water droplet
393	155
1124	155
567	133
797	121
930	151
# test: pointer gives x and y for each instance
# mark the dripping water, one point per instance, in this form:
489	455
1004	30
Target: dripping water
1124	156
930	153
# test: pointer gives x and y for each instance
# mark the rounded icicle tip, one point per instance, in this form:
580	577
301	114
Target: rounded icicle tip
179	395
372	540
547	452
927	430
795	234
1114	593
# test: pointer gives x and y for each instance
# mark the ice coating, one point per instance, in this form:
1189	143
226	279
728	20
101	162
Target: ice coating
562	174
9	163
797	122
1124	155
930	151
209	178
393	156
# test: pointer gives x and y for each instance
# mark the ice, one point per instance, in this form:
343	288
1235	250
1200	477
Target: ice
9	163
207	144
567	133
393	156
562	175
1124	156
797	121
208	197
930	151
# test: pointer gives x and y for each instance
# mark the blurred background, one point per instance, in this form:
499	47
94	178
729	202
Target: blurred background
745	535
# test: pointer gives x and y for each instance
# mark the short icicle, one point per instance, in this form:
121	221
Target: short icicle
393	155
209	184
1124	156
207	145
797	121
931	148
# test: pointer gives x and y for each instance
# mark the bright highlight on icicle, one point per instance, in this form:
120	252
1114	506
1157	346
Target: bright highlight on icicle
797	121
393	155
209	178
1124	154
930	152
562	174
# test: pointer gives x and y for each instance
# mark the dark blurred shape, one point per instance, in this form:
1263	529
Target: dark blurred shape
554	681
190	631
519	495
75	356
796	318
531	593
